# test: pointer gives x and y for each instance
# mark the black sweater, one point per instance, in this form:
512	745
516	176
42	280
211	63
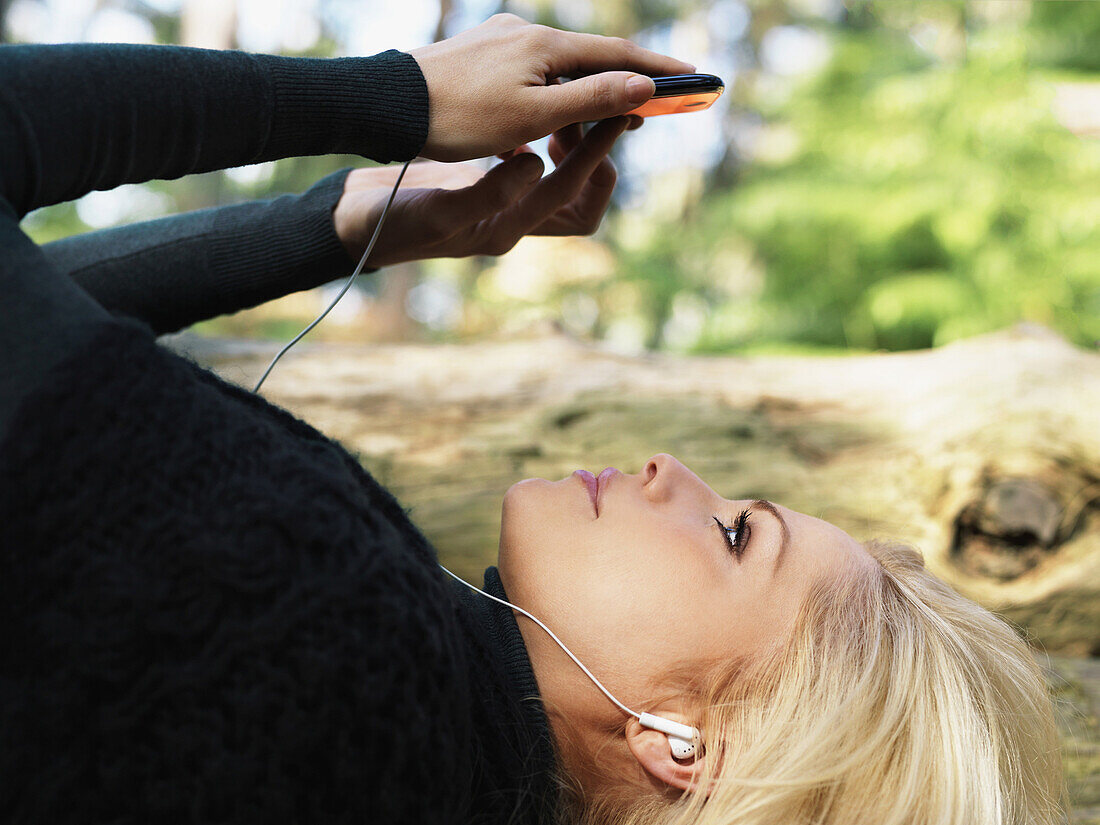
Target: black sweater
209	611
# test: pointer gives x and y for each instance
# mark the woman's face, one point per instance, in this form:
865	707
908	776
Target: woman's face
644	581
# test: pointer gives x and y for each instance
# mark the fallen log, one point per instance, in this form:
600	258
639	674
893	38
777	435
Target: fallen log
984	454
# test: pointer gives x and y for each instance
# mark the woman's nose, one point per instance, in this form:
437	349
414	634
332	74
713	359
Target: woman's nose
660	475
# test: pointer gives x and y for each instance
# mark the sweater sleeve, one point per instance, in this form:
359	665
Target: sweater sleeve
176	271
74	118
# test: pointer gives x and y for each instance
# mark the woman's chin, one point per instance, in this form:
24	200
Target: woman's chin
536	514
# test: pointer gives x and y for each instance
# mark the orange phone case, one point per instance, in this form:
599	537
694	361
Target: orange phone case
676	105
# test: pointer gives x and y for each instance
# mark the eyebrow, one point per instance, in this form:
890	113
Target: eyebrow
785	530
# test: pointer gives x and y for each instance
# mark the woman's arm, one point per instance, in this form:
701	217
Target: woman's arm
173	272
74	118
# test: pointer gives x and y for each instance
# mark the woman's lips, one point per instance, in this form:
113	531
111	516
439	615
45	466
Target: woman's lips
592	484
602	481
596	485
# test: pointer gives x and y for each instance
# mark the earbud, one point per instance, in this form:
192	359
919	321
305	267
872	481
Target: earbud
681	749
681	738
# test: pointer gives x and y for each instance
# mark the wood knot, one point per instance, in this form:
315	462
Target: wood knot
1009	530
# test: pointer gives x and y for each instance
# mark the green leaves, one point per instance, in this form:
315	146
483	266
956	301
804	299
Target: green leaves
925	202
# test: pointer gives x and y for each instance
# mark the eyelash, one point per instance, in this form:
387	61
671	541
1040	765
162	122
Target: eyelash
740	526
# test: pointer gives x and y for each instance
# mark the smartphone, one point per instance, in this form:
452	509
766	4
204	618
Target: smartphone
681	93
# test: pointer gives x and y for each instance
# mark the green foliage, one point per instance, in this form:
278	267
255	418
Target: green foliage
1066	34
923	202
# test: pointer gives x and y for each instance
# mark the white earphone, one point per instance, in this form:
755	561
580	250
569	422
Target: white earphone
683	739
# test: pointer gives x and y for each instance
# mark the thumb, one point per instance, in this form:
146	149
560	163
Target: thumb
596	97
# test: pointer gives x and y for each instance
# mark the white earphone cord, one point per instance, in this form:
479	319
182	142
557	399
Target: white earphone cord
316	321
647	719
553	636
347	286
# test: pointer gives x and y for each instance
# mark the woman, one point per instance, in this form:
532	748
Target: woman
831	682
212	613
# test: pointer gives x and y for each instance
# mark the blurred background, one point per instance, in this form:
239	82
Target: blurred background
877	176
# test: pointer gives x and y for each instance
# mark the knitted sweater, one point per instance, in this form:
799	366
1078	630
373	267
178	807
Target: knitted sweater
210	612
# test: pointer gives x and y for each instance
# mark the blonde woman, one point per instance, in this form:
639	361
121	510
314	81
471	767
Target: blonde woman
830	681
212	613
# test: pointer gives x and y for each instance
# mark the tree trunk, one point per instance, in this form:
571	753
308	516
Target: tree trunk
984	454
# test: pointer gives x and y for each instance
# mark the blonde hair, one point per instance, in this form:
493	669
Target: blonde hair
894	701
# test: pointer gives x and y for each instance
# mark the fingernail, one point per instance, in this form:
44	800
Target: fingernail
639	89
530	166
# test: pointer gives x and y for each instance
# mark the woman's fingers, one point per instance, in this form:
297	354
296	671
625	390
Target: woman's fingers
576	53
583	214
564	141
596	97
555	190
602	88
454	210
436	217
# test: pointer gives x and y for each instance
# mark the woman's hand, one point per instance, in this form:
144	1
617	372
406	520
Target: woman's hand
491	88
454	210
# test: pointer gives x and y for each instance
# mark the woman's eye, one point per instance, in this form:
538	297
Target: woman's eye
737	534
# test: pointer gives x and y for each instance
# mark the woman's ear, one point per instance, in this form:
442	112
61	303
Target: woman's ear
653	752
